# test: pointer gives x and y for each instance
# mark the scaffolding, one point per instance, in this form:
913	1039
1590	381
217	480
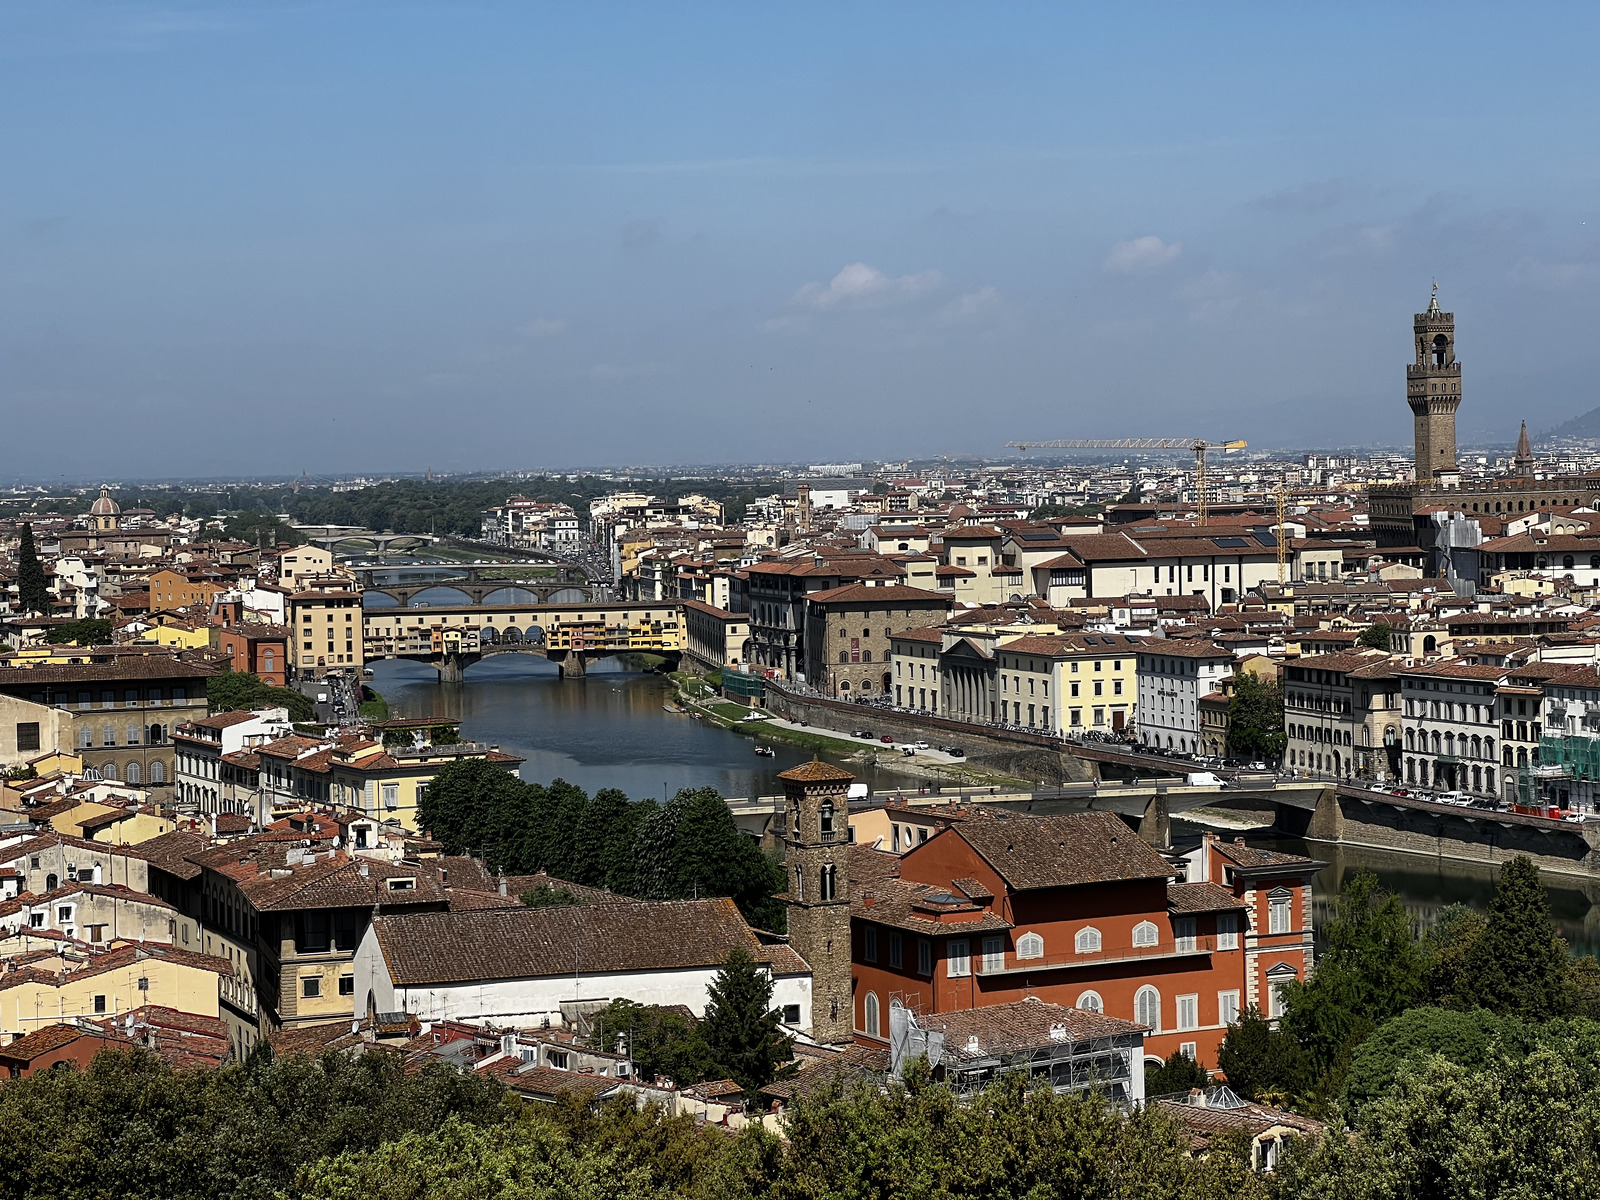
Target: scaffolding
1105	1063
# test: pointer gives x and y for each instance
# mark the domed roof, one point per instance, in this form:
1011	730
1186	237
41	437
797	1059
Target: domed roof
105	506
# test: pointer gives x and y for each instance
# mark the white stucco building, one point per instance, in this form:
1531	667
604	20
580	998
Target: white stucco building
1173	675
518	966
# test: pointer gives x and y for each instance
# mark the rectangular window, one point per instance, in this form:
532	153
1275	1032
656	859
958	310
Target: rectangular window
391	795
994	954
1188	1012
1227	931
311	986
957	954
347	985
1183	929
894	949
924	957
99	1004
1228	1008
1278	913
27	735
869	944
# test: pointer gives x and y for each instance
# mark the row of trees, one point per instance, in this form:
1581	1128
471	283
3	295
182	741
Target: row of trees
337	1129
1382	994
241	691
684	849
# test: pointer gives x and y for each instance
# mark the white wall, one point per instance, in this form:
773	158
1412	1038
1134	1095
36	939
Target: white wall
528	1001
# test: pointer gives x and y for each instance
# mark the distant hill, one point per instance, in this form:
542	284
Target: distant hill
1586	426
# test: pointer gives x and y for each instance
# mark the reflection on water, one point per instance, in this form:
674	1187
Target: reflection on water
608	730
1425	885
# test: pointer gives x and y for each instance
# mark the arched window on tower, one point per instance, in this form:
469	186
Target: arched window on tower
1441	350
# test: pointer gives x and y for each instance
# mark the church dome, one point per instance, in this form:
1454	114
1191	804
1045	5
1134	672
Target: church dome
105	506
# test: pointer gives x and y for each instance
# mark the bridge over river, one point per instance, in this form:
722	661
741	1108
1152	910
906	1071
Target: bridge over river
451	639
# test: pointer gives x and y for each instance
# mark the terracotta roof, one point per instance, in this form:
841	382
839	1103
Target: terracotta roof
888	594
1201	898
1200	648
521	943
1251	858
51	1037
145	666
548	1083
1063	851
815	771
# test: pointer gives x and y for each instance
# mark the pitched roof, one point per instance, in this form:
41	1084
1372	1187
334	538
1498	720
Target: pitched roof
1201	898
815	771
1019	1025
521	943
51	1037
888	594
1063	851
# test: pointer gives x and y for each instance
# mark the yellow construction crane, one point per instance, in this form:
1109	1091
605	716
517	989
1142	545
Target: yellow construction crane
1199	445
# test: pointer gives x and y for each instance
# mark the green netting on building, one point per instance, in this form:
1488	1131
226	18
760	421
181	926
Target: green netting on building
737	685
1578	757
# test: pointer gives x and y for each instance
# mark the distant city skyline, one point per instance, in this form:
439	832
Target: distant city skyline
245	241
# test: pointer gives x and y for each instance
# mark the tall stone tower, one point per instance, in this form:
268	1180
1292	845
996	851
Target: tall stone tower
1522	465
817	856
1433	390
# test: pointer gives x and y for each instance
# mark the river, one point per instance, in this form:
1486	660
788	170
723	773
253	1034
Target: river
610	730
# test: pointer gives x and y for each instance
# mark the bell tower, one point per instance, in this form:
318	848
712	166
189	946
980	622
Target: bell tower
1433	390
817	858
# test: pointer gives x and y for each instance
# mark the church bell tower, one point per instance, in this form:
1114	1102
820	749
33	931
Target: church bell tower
817	858
1433	390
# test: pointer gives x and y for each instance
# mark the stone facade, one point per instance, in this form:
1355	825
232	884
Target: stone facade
1433	390
817	858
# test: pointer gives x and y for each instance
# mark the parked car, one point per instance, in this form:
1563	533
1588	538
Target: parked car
862	733
888	737
955	752
919	745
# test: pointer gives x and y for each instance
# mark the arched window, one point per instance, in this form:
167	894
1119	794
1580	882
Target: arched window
869	1015
158	772
1091	1002
844	656
1488	749
866	656
827	881
108	770
1030	945
1430	644
1567	561
1087	941
1145	934
267	659
1434	738
1410	740
133	774
1147	1008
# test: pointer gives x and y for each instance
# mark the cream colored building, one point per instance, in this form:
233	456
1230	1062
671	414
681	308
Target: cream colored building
328	631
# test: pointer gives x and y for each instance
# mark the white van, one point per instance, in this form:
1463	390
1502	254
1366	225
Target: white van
1202	779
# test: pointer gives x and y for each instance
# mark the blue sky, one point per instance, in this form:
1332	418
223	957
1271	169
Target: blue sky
242	239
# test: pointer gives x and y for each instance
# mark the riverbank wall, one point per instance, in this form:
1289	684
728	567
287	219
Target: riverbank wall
1019	754
1479	836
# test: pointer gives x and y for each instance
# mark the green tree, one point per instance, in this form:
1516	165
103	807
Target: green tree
591	839
33	590
470	805
545	896
1255	719
659	1041
741	1028
1179	1073
1376	636
1463	1038
1446	947
1372	970
1519	966
1260	1062
240	691
90	631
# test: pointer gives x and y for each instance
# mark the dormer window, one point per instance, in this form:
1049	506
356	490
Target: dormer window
404	884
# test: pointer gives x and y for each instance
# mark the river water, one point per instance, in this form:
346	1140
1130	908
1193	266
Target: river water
610	730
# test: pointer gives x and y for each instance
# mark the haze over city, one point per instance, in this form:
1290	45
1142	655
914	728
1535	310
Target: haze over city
265	239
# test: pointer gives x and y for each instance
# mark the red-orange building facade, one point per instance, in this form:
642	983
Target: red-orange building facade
1078	910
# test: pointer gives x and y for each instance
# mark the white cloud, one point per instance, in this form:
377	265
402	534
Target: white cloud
544	327
1147	253
861	286
970	307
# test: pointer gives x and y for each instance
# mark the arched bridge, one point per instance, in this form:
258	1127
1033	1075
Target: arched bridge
570	635
558	584
330	537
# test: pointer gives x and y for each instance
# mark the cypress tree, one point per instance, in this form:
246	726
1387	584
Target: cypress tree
741	1026
33	590
1519	967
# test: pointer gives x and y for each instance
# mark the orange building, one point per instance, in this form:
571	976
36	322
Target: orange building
259	649
1077	910
178	589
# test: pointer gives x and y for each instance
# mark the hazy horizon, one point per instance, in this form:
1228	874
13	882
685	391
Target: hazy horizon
246	241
